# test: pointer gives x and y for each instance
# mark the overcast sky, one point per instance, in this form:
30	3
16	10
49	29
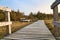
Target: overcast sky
28	6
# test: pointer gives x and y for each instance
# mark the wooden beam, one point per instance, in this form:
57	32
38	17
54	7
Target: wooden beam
5	8
5	23
56	23
55	4
9	21
55	13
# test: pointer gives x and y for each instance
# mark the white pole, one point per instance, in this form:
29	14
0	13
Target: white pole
8	16
9	21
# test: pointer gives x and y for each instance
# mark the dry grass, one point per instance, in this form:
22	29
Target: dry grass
50	25
18	25
3	31
15	26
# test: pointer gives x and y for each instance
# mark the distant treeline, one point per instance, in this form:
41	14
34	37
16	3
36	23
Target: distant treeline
43	16
16	15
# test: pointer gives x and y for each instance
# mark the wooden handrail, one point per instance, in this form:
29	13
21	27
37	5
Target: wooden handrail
5	23
56	23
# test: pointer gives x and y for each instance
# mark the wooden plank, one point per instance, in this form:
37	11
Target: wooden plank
35	31
55	4
5	23
56	23
5	8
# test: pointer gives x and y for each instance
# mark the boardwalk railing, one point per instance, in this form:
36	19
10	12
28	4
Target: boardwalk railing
7	17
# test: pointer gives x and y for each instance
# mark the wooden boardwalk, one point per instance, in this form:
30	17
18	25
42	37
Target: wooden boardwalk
35	31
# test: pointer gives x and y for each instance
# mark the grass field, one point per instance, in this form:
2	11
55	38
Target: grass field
14	27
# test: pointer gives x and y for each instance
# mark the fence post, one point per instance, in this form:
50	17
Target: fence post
9	21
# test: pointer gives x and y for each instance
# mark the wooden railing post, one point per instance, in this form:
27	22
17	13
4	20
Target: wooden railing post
9	21
55	13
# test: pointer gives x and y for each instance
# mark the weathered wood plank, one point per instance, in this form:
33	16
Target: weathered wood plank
56	23
5	23
55	4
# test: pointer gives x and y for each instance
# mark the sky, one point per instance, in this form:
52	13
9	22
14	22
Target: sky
28	6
